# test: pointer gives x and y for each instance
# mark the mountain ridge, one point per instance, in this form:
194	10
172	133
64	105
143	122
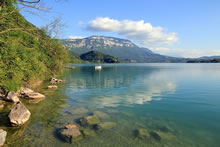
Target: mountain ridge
124	50
100	41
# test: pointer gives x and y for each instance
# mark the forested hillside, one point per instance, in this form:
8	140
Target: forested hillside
98	57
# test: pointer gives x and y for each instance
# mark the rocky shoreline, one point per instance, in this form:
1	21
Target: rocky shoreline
87	125
19	114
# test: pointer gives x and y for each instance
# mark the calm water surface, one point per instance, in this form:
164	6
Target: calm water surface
180	102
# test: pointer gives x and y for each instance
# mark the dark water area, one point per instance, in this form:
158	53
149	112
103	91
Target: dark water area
180	103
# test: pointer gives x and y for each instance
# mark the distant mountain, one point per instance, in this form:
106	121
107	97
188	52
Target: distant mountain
97	57
209	57
122	49
204	61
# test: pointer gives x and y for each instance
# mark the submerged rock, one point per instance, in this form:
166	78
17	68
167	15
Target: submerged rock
89	120
142	133
34	95
52	87
12	97
165	129
155	135
78	111
101	115
71	133
88	133
3	135
106	125
34	101
166	136
19	114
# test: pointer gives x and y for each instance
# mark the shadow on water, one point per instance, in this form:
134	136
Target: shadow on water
4	121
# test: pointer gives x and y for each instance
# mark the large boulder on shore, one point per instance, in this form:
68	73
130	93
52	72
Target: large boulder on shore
19	114
25	90
54	81
30	94
3	135
71	133
52	87
34	95
12	97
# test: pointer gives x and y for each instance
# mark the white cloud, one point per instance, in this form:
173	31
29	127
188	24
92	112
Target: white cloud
187	53
143	33
76	37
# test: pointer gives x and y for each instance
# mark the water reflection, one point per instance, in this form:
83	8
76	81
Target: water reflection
118	85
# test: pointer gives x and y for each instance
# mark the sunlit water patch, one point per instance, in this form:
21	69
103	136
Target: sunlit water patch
137	105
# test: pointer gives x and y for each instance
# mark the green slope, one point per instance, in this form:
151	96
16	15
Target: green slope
27	54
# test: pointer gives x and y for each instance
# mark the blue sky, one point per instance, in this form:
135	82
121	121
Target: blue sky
188	28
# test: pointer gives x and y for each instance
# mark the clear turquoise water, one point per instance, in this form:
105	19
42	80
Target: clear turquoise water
182	98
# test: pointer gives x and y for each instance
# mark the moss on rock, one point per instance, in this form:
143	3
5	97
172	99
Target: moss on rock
89	121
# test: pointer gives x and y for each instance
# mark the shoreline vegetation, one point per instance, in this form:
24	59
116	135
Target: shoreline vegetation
27	54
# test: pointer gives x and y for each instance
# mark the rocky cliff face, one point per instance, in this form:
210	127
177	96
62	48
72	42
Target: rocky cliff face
98	42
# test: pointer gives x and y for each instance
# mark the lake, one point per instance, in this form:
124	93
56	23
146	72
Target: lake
174	105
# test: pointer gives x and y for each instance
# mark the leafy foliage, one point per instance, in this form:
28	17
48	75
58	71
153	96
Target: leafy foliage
75	58
26	53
